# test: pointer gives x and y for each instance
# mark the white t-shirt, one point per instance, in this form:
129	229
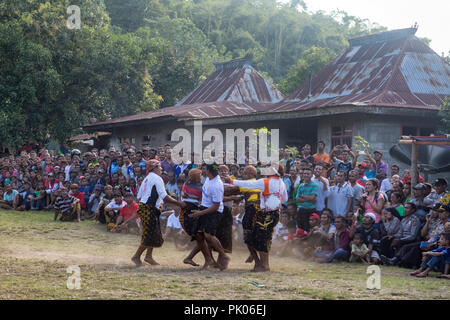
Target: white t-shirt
145	190
338	199
174	222
115	206
212	192
321	193
276	185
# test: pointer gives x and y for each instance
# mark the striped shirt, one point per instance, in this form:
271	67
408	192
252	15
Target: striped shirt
191	192
64	205
307	190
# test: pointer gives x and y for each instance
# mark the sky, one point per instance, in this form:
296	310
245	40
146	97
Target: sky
433	16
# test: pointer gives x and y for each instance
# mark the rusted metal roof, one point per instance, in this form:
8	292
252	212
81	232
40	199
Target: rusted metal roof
393	68
188	112
234	81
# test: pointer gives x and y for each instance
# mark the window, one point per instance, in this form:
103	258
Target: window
341	135
147	138
417	131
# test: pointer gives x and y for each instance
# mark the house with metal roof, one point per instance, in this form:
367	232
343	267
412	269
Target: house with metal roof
383	86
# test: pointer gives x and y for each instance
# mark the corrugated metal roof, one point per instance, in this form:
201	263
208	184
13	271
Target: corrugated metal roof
189	112
234	81
393	68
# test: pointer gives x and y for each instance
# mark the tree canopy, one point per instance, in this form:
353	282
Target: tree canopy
138	55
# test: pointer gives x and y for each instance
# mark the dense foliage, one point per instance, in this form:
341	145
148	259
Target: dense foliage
137	55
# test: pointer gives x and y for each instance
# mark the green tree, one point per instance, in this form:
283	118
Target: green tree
444	113
312	60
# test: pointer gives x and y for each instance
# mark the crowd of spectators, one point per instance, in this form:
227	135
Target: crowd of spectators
348	205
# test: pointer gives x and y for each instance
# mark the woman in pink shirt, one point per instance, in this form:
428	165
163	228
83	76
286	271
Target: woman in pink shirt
373	200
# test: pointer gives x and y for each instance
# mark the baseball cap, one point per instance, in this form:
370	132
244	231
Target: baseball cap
371	215
314	216
420	186
378	151
440	182
362	164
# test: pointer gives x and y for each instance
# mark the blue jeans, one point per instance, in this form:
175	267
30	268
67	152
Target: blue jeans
434	263
322	253
339	254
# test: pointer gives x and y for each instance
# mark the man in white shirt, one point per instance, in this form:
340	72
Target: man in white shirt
151	195
209	216
323	187
341	196
273	194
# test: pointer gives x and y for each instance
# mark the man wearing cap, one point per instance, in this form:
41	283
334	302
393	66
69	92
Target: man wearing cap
151	196
380	164
440	186
369	235
422	206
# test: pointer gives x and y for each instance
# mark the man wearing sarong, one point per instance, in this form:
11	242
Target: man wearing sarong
252	202
273	194
209	216
151	195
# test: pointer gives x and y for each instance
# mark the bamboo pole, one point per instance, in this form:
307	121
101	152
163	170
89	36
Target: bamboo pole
414	171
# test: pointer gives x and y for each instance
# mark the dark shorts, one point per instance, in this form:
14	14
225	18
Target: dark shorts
248	220
207	223
261	236
225	230
189	224
151	236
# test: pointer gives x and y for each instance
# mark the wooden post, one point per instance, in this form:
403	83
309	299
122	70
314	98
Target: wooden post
414	156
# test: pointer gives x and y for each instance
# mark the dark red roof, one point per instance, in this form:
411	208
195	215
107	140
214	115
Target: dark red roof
393	68
234	81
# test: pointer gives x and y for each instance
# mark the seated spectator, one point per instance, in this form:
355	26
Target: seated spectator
128	221
68	206
23	199
75	192
174	230
288	241
326	232
281	231
370	236
422	207
107	198
390	226
436	259
94	200
440	186
112	210
311	239
407	234
396	202
359	251
341	241
38	201
8	197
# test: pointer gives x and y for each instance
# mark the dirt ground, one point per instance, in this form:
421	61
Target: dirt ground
35	253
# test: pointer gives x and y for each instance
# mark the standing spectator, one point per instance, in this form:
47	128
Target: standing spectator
306	154
322	158
373	200
323	187
306	199
340	198
358	190
344	164
380	164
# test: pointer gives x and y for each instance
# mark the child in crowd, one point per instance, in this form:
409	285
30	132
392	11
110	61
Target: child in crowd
359	250
437	259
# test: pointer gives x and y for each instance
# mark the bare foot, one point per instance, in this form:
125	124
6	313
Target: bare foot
261	269
208	264
191	262
137	261
151	261
249	259
223	262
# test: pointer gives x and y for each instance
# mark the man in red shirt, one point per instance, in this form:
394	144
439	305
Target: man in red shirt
127	222
75	192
